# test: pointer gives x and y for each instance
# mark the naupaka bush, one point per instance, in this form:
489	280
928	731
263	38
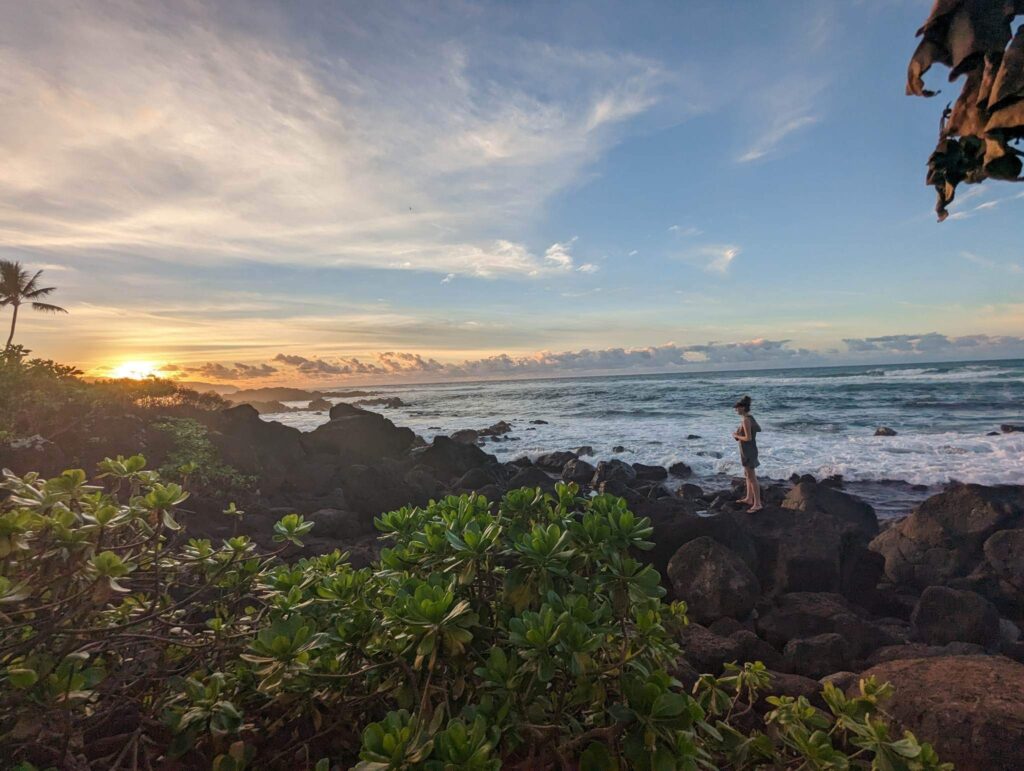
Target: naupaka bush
526	634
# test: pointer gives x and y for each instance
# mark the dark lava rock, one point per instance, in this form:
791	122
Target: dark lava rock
709	454
944	537
970	708
693	436
532	477
1011	428
355	435
650	473
539	422
474	479
921	651
391	402
680	469
613	470
465	436
585	450
819	655
553	461
578	471
753	648
498	429
450	459
690	491
706	651
523	462
272	451
340	525
884	431
807	614
618	448
712	580
945	615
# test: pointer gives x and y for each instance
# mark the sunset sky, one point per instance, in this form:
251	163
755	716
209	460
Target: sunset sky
323	192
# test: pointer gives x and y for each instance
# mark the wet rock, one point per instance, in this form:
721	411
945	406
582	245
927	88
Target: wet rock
465	436
1011	428
680	469
819	655
498	429
578	471
390	402
693	436
618	448
650	473
689	491
613	470
945	615
709	454
319	404
554	461
884	431
712	580
585	450
970	708
539	422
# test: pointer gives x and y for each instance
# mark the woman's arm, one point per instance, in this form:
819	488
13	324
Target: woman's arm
744	434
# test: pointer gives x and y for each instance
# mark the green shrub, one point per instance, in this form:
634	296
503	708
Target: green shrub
195	462
527	637
43	397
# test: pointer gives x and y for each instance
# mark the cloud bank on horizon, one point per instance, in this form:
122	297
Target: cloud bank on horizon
260	189
293	368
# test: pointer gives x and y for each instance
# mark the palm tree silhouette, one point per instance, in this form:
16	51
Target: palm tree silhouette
17	289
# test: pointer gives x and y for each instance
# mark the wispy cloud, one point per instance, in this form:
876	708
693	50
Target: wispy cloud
986	262
679	230
225	142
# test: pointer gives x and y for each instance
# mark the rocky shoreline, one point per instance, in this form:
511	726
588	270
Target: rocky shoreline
814	585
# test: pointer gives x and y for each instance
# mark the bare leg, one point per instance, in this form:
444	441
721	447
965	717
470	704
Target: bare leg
755	490
748	497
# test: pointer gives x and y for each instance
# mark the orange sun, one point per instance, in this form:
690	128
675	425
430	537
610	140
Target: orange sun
135	370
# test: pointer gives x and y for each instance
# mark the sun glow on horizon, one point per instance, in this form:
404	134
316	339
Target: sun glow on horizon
135	370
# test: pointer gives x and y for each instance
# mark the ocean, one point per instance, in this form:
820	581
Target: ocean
819	421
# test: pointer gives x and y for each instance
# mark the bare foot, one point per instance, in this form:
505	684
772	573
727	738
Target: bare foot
745	501
754	509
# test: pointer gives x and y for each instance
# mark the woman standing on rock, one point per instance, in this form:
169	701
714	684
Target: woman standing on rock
746	435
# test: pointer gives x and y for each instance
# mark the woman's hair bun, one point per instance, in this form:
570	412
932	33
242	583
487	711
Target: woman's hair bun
744	403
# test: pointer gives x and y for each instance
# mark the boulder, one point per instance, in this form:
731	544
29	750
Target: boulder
706	651
650	473
390	402
819	655
450	459
269	450
943	538
423	483
1004	556
618	448
786	684
613	470
498	429
339	525
539	422
319	404
355	435
753	648
1011	428
375	490
465	436
585	450
532	477
799	614
712	580
676	522
969	708
884	431
680	469
474	479
818	542
945	615
553	461
690	491
921	651
578	471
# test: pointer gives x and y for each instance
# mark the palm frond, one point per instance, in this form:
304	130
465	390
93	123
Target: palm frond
30	286
47	308
41	292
